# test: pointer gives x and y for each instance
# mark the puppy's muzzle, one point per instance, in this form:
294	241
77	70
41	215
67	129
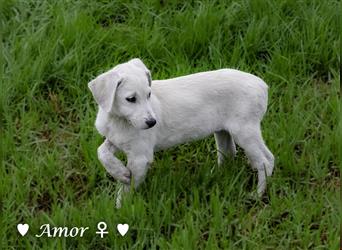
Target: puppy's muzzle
151	122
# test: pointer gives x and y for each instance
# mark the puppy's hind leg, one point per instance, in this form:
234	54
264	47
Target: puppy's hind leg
249	138
270	159
224	144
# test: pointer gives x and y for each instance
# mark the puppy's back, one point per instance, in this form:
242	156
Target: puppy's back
206	87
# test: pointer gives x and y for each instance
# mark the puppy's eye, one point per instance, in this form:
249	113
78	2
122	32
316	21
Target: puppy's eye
131	99
149	95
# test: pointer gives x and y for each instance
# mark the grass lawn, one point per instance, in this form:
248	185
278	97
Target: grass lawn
50	173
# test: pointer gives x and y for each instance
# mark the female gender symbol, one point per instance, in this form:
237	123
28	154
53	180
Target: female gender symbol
101	226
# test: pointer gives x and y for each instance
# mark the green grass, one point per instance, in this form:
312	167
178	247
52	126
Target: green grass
50	172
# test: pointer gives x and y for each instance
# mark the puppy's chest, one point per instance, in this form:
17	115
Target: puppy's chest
124	137
123	141
130	142
115	132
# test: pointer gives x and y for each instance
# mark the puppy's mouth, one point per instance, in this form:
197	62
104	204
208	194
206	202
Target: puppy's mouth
146	127
129	122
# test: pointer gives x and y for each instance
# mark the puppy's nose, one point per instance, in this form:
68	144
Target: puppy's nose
151	122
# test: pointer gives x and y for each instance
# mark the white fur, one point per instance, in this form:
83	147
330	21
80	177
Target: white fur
226	102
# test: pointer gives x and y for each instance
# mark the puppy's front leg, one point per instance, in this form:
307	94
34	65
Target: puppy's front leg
138	165
112	164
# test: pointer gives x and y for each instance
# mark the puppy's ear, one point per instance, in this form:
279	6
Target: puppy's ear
137	62
103	89
149	78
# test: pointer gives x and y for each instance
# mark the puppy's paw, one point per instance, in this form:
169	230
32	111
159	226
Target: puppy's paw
121	174
124	176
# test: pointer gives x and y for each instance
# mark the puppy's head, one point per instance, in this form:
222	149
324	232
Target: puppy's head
125	91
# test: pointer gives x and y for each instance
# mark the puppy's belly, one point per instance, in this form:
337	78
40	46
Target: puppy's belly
169	138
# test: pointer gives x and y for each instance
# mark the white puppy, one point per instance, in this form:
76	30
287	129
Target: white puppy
139	116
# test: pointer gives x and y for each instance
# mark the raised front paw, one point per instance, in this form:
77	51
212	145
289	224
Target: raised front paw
121	174
124	175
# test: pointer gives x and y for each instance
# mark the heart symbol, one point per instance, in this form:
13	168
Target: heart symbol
23	228
122	228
